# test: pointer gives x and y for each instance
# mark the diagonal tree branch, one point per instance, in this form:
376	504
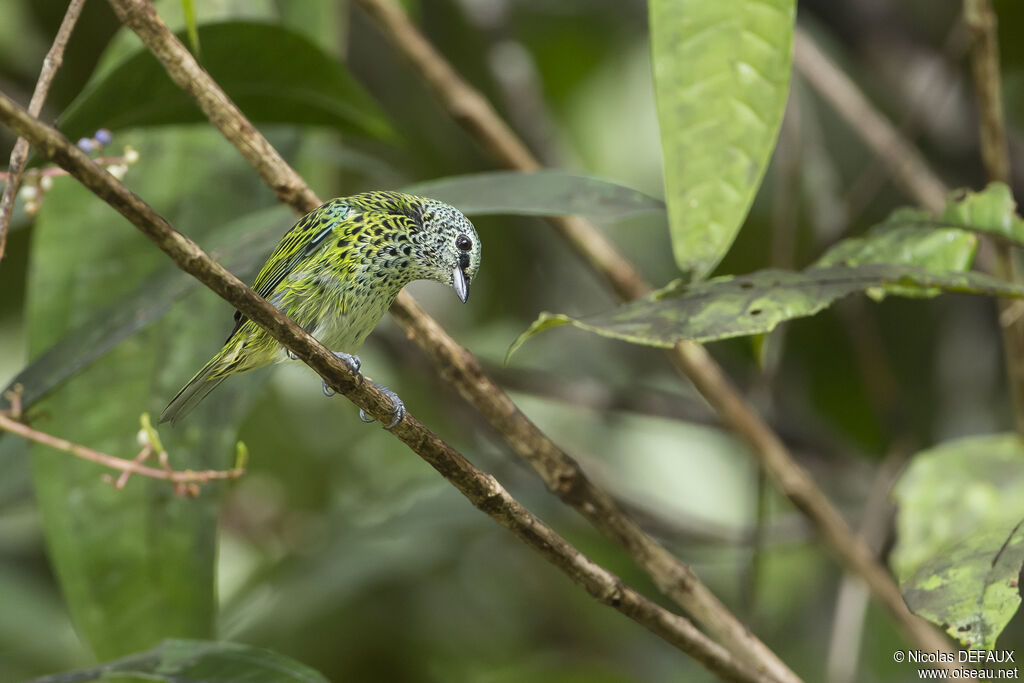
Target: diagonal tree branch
481	489
792	479
19	155
560	472
980	18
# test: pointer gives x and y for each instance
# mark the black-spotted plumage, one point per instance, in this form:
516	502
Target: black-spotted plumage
337	271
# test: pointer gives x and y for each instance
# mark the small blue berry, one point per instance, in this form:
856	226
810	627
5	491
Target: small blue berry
86	145
103	137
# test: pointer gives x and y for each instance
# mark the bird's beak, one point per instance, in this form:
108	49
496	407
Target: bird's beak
459	284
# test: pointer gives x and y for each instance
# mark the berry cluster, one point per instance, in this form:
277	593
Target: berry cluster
38	181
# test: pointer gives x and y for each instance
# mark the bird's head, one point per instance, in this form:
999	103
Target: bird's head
449	246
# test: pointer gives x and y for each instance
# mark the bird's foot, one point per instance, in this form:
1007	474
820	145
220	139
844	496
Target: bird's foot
353	363
397	407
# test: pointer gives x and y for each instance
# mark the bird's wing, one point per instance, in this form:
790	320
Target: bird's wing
304	238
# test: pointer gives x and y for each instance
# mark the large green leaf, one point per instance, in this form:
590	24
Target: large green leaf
181	661
541	193
273	74
733	306
136	565
721	77
960	541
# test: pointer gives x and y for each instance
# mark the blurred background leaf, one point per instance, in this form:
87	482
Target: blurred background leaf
284	78
191	660
542	193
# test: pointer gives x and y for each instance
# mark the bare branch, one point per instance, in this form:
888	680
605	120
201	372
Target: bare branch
19	155
981	20
481	489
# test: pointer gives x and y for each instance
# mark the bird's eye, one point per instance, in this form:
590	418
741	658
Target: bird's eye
463	243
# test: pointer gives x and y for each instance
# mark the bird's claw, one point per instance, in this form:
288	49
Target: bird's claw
352	361
397	407
349	359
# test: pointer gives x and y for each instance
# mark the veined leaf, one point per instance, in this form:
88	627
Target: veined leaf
721	77
734	306
541	193
960	540
273	74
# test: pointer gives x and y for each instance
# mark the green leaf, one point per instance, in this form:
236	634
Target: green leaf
734	306
273	74
241	245
721	77
135	565
908	236
960	541
178	661
946	242
541	193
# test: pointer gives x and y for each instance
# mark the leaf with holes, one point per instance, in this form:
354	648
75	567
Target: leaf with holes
734	306
960	541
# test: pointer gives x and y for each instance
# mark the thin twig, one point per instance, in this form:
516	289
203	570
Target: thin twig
932	95
19	155
128	158
902	159
981	20
120	464
483	123
560	472
481	489
852	599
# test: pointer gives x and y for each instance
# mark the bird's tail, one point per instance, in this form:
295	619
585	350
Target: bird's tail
205	381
